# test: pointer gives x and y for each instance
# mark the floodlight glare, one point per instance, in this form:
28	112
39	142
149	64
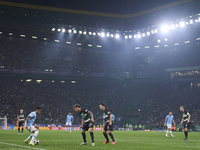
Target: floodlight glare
102	34
148	33
159	41
166	39
156	31
53	29
107	35
80	32
94	33
112	35
139	36
90	33
59	30
75	31
99	34
84	32
117	36
130	36
152	32
70	31
63	30
172	26
182	24
135	36
164	28
126	37
143	34
191	21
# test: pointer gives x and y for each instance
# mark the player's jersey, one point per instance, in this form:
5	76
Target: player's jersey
69	118
169	119
113	117
106	115
85	115
31	120
21	117
185	116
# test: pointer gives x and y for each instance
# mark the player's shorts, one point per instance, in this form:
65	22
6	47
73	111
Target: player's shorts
68	124
108	127
31	128
169	126
87	125
20	124
187	125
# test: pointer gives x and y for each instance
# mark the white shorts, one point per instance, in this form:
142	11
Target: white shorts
68	124
31	128
169	126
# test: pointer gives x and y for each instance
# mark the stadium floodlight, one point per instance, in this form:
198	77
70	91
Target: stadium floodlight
166	39
1	32
80	32
143	34
126	37
57	41
99	46
156	31
165	28
34	37
182	24
22	35
102	34
90	45
90	33
139	36
112	35
59	30
78	43
172	26
94	33
177	25
176	44
137	47
10	33
107	35
75	31
135	36
99	34
166	45
45	39
70	31
156	46
63	30
152	32
148	33
159	41
53	29
147	47
196	20
198	39
187	42
130	36
84	32
68	42
191	21
117	36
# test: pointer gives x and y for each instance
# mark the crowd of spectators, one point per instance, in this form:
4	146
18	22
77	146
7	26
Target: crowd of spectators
148	102
19	53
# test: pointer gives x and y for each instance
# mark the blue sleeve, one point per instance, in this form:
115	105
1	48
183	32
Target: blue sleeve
172	117
31	114
167	117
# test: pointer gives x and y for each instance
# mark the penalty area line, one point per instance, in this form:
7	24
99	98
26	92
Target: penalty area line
21	146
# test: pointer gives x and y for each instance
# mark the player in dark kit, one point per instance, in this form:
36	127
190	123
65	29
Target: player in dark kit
87	123
20	119
186	120
107	124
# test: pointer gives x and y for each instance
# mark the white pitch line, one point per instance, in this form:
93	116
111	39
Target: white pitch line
21	146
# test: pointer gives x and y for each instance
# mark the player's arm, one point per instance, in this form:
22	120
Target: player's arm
103	123
91	114
18	118
72	120
114	118
110	123
182	121
83	121
173	122
189	116
165	121
65	121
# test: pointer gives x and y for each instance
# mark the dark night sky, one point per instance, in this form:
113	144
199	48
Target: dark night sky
106	6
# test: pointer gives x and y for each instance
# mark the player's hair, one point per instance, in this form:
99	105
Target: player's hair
182	107
110	110
102	104
37	108
77	105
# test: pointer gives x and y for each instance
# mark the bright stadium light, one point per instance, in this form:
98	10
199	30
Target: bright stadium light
130	36
148	33
166	39
99	34
143	34
112	35
172	26
117	36
182	24
94	33
152	32
164	28
177	25
191	21
159	41
70	31
63	30
126	37
59	30
156	31
139	36
80	32
199	19
102	34
84	32
75	31
107	35
135	36
90	33
53	29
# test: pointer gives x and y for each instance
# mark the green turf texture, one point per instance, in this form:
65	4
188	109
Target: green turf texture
125	140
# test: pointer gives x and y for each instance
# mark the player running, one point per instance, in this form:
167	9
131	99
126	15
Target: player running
69	122
169	119
186	120
107	124
29	125
87	123
21	120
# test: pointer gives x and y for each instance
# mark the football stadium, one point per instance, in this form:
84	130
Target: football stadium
100	75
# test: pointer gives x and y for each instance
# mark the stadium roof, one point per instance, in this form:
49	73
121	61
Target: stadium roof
111	8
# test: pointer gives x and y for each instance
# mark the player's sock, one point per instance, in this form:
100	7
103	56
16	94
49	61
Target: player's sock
18	130
92	136
167	132
29	137
106	136
70	129
22	130
111	135
34	136
186	134
84	137
171	132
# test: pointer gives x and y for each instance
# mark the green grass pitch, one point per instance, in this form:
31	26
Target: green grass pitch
125	140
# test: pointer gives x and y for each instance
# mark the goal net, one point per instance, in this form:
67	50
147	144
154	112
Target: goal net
3	123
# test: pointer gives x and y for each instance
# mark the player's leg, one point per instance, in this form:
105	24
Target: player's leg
66	127
22	129
26	141
19	127
170	130
110	133
70	127
91	133
84	137
186	133
35	134
105	134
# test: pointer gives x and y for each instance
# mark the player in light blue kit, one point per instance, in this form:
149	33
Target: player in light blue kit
168	121
113	116
69	122
29	125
